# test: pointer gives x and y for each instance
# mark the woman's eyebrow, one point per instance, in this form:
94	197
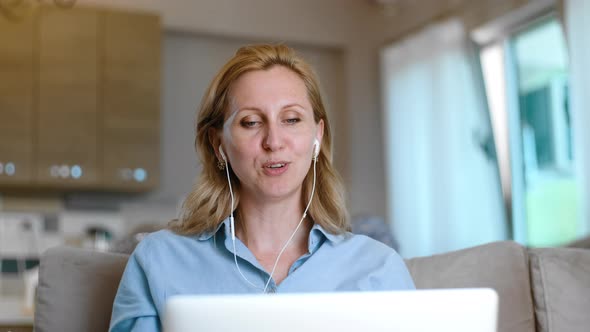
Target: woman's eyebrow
293	105
253	108
249	108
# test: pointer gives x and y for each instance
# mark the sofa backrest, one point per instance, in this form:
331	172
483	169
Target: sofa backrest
502	266
76	289
561	289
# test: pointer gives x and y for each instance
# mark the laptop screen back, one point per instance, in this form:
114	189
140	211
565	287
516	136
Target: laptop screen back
457	310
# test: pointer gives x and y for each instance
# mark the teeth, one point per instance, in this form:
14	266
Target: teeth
276	165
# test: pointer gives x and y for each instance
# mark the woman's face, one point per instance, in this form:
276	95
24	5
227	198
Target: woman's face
269	132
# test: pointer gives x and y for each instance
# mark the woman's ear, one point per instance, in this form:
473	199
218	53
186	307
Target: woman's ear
320	131
214	141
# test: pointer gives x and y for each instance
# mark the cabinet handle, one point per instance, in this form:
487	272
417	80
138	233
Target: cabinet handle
76	171
125	173
9	168
128	174
54	171
140	174
65	171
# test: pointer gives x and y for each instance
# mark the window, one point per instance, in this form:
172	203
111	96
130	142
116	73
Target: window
526	75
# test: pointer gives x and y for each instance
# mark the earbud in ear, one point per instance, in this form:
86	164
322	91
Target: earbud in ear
316	148
222	154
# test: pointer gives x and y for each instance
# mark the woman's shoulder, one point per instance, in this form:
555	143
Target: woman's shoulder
352	242
382	258
162	236
367	244
162	241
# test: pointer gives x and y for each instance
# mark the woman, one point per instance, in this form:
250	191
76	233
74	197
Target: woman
265	144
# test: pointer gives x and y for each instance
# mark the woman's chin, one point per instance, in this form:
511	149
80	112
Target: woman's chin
278	194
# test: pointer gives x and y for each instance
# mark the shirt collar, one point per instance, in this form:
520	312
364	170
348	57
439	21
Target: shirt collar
207	235
315	235
318	231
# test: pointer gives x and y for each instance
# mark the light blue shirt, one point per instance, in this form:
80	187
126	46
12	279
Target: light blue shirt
166	264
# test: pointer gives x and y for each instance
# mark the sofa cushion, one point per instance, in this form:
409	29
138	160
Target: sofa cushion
561	289
502	266
76	289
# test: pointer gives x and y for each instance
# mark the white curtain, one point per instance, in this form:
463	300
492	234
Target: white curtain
577	13
443	191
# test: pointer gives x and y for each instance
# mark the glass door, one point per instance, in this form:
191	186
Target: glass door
537	58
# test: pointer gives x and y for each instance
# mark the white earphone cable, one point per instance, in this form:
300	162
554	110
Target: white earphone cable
231	211
232	226
295	231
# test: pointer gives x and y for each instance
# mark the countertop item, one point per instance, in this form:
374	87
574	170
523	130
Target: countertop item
12	312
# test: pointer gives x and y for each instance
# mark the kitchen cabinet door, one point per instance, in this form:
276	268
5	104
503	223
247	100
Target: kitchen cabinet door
131	101
68	120
16	100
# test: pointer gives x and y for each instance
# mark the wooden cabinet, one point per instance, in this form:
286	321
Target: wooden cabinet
131	99
68	118
6	328
80	100
16	102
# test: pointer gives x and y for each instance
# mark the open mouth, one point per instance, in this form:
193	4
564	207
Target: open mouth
274	166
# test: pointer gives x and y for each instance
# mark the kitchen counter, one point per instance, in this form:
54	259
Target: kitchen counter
12	312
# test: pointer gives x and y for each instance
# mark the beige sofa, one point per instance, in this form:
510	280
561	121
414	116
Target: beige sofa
539	289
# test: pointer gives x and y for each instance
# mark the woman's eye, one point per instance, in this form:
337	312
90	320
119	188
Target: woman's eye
292	121
249	124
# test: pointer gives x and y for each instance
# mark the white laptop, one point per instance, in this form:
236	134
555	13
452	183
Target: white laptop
457	310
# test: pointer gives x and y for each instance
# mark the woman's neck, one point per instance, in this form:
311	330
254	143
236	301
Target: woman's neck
266	228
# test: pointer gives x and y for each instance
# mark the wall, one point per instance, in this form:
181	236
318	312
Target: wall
326	24
355	26
189	63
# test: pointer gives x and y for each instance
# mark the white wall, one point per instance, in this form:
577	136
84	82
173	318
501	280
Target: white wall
356	26
326	23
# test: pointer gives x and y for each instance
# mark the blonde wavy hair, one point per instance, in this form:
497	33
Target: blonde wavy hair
208	204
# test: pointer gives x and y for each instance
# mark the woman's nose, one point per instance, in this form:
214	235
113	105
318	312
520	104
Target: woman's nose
272	140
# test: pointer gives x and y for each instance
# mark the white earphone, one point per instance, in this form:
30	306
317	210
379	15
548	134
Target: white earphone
231	192
316	153
222	154
316	148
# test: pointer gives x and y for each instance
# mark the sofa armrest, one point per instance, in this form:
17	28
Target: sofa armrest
76	289
502	266
561	288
